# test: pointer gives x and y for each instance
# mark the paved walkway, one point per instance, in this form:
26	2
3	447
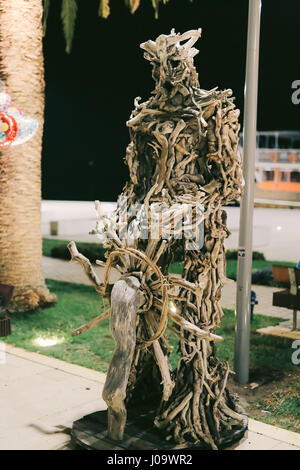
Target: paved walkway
43	396
62	270
71	272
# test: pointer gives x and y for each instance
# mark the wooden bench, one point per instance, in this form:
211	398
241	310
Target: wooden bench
287	298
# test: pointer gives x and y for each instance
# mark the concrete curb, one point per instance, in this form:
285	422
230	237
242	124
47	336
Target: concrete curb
289	437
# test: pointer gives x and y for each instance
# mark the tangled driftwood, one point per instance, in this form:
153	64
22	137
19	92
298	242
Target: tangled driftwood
182	154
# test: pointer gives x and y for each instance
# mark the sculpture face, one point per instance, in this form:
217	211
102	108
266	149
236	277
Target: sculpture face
173	70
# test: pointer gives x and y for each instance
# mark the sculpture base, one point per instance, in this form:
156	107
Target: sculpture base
90	433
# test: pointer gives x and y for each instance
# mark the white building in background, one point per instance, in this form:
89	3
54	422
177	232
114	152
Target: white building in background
277	165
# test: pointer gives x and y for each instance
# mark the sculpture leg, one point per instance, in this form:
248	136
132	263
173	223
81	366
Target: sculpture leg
125	302
201	409
117	416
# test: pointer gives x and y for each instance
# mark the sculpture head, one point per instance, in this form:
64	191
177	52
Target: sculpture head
172	59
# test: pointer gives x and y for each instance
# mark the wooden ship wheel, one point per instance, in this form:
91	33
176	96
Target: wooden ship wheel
184	165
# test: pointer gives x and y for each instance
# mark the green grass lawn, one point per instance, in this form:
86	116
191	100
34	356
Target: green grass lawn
78	304
281	406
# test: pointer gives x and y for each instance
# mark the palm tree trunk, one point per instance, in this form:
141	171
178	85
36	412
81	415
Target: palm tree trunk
22	70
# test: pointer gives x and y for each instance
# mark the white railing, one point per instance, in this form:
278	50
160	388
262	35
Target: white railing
277	155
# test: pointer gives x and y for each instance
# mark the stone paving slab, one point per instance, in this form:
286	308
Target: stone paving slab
42	396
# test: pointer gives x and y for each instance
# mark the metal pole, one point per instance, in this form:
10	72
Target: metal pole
244	267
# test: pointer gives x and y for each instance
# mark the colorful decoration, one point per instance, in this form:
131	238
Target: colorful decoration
15	128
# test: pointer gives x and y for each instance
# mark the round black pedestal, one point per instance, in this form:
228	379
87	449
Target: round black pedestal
90	432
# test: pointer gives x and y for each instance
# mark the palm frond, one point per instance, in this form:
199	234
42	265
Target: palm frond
104	9
68	17
155	4
69	13
132	5
46	6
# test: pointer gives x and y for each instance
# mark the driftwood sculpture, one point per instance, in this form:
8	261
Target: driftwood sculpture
183	163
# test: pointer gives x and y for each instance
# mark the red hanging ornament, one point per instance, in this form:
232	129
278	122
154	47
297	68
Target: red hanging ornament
12	130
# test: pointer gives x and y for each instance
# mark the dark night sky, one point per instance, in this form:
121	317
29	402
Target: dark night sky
90	93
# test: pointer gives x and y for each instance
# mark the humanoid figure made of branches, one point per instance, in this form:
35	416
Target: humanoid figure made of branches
182	156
